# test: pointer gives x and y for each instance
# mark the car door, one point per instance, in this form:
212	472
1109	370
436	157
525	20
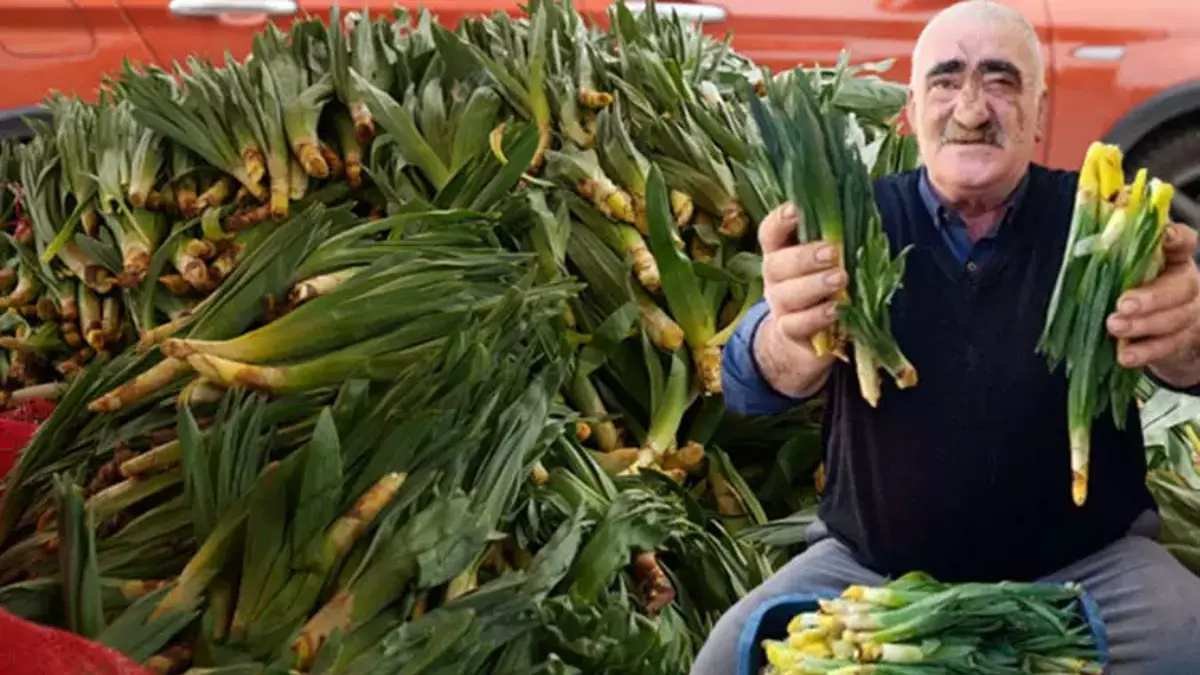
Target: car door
782	34
1136	73
448	12
175	29
63	45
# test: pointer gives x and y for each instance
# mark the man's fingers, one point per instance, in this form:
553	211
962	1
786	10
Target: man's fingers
802	293
801	326
1179	243
1158	319
1146	351
796	261
1177	286
778	229
1166	322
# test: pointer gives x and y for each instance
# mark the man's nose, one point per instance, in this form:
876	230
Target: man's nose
970	110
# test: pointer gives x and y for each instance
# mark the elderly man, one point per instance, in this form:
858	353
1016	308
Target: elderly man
967	475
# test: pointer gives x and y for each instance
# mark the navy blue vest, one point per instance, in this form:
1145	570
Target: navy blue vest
967	476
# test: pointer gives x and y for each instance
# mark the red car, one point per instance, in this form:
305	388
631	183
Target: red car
1129	74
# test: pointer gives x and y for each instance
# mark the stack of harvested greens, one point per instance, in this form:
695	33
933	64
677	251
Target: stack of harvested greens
917	625
815	156
1114	244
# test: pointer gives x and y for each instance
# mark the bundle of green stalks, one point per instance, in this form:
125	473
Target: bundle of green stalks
917	625
815	159
1114	244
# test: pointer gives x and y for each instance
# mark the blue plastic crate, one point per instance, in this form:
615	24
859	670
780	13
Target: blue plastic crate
769	622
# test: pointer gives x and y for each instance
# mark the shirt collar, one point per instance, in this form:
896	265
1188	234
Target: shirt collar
942	214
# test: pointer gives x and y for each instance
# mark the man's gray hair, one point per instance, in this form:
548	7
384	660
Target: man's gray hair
987	11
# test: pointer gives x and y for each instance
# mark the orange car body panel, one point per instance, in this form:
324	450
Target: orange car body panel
1161	39
170	37
61	44
69	44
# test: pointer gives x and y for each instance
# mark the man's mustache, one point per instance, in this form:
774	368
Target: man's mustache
985	135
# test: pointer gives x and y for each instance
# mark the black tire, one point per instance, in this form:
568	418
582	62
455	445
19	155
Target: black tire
12	126
1173	155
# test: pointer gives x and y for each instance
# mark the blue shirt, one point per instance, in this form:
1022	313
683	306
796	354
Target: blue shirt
745	389
953	229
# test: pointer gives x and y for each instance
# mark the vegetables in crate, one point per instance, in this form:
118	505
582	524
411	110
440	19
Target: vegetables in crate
917	625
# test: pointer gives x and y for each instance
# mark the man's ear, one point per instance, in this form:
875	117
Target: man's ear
909	114
1039	134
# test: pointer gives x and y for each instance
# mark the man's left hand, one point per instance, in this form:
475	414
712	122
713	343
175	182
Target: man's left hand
1158	323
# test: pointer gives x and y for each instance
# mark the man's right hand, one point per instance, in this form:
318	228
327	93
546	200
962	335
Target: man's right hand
800	282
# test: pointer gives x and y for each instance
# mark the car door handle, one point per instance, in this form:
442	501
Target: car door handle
216	8
686	11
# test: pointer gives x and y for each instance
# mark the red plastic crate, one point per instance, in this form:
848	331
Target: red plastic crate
17	426
13	436
27	648
30	649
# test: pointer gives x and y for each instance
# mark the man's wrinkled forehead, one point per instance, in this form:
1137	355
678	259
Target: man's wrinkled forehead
969	45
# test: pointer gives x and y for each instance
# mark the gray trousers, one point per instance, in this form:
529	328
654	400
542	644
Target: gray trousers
1149	602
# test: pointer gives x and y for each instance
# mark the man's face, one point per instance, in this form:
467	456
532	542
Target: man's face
976	105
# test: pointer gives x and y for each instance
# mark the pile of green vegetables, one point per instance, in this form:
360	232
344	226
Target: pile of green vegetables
397	349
